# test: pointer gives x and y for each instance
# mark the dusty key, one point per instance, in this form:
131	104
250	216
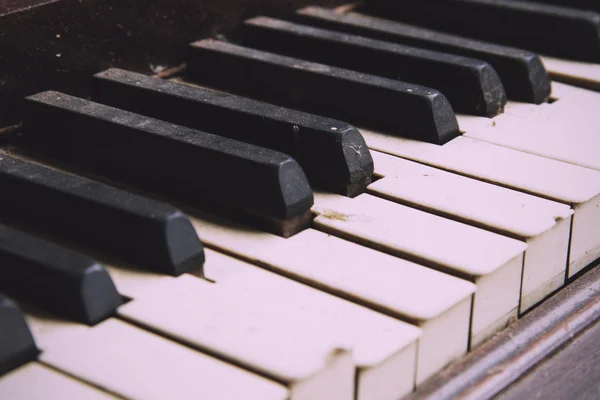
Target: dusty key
39	273
180	163
472	86
543	224
398	107
384	349
289	340
565	183
522	72
493	262
578	73
559	31
36	381
564	130
132	363
438	303
17	346
330	151
119	224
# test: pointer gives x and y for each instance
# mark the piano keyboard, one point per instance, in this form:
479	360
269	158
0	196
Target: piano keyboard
333	204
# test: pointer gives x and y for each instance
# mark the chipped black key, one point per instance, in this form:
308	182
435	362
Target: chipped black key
98	217
522	73
332	153
551	30
189	166
381	103
53	278
472	86
17	346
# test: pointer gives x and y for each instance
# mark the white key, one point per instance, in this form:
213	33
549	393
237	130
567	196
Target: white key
578	73
493	262
566	130
270	323
384	348
241	330
438	303
34	381
566	183
136	364
543	224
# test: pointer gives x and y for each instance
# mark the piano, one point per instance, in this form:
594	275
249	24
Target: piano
298	200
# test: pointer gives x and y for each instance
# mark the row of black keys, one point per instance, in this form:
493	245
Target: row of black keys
217	171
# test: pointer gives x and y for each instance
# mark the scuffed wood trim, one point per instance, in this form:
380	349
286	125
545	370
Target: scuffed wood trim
503	359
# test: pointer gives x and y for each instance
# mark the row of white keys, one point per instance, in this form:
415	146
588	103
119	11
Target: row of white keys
565	130
566	183
384	349
543	224
580	73
438	303
493	262
35	381
280	328
135	364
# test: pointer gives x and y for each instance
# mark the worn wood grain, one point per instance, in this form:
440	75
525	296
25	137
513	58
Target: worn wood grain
501	361
572	373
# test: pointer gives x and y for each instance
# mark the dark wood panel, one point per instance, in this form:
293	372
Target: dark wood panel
9	6
59	44
572	373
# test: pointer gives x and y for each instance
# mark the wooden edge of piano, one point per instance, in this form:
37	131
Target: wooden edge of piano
502	360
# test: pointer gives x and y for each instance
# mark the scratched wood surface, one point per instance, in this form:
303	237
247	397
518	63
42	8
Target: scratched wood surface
571	373
513	354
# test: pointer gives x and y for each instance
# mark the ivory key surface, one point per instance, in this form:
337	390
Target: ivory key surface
565	130
383	348
273	325
566	183
580	73
136	364
493	262
35	381
436	302
543	224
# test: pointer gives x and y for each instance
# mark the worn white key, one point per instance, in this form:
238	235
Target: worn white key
242	330
383	348
136	364
543	224
565	130
438	303
493	262
578	73
35	381
555	180
268	322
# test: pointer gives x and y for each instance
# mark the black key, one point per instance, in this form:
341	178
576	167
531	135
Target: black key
190	166
52	278
17	346
551	30
332	153
588	5
98	217
376	102
523	75
471	86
